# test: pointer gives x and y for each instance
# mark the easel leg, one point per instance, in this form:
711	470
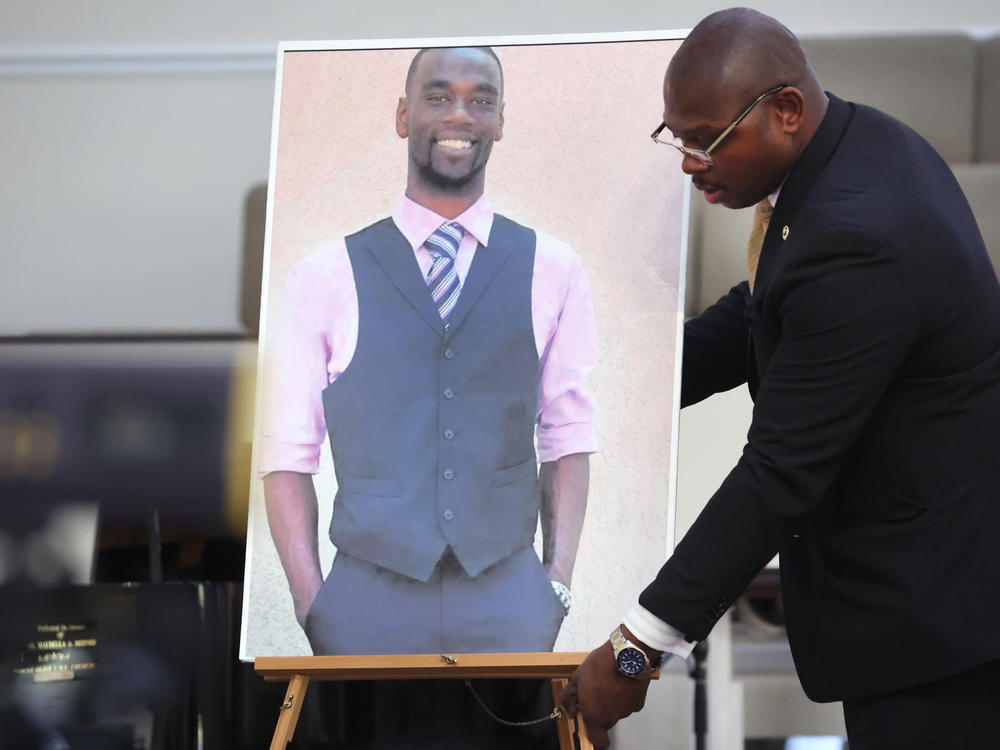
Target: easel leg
290	709
568	726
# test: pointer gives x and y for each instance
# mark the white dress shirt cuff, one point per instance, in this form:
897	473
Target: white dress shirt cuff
654	632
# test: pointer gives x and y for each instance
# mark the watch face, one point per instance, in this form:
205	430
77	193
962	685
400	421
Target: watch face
631	660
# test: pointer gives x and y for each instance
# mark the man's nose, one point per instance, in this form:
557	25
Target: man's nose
458	112
693	165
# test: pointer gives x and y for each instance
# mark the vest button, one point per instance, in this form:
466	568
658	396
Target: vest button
448	515
448	393
449	354
449	434
448	474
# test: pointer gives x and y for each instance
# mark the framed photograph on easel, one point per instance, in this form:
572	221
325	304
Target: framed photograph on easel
469	347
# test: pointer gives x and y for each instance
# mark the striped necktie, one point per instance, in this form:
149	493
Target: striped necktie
442	279
761	218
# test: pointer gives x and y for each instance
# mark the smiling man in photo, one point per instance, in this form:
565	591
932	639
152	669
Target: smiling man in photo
444	351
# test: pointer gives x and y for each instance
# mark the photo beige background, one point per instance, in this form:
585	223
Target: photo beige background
576	162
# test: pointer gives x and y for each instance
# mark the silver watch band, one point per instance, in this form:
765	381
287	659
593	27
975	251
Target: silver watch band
564	594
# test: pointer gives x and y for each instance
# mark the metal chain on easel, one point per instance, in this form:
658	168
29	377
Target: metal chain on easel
556	712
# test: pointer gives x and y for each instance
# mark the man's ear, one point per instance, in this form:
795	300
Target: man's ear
790	106
499	133
401	130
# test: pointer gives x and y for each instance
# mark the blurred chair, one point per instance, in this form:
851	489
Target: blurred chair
981	185
926	80
988	122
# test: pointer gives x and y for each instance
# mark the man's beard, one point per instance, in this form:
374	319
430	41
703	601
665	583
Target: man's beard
448	183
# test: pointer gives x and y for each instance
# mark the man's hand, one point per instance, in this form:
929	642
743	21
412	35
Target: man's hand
303	599
601	695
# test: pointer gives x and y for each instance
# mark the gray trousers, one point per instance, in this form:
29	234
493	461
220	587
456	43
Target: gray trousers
362	608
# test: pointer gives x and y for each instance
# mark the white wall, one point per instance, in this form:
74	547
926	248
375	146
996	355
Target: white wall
106	22
133	132
122	198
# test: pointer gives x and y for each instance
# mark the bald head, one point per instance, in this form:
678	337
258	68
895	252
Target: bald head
737	53
740	90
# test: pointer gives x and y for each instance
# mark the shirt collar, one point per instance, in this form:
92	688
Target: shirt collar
773	197
417	222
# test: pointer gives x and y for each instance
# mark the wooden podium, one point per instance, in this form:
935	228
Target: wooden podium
298	671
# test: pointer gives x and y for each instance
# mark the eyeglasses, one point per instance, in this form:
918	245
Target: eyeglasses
705	155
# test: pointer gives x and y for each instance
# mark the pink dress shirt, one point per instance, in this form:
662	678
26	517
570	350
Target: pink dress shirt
317	332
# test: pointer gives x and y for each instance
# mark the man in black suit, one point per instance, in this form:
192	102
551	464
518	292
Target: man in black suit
869	336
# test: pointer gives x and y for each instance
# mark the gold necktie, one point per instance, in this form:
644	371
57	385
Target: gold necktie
761	216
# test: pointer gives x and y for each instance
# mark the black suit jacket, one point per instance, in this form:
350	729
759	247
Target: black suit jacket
871	345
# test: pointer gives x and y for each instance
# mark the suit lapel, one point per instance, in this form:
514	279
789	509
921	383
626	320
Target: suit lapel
395	255
486	263
797	185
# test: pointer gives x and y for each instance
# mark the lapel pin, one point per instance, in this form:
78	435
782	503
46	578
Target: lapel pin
784	232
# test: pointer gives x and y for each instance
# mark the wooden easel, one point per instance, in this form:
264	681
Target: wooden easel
299	670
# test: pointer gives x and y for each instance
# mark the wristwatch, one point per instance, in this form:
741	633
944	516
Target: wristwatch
631	660
564	595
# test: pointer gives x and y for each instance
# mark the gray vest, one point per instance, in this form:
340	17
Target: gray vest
432	428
